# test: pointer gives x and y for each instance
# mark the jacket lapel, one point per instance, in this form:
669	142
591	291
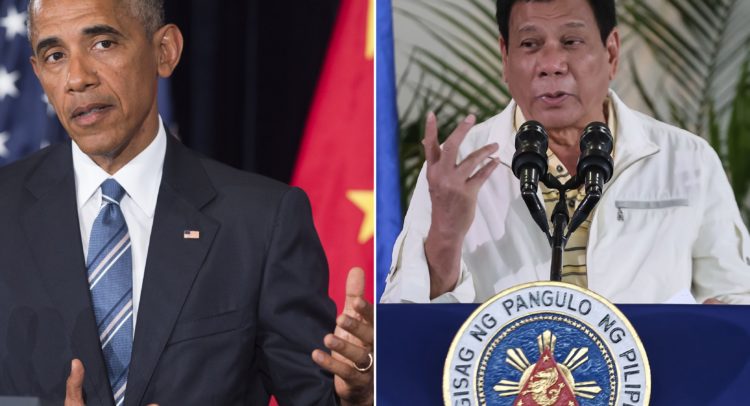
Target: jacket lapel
50	221
173	261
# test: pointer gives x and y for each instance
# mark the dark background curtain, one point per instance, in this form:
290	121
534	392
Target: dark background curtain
242	90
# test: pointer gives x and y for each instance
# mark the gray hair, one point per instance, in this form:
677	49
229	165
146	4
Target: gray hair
149	12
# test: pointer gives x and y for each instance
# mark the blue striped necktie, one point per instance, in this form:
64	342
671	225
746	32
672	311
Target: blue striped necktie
111	284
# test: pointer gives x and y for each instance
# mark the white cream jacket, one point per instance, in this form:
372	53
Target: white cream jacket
667	224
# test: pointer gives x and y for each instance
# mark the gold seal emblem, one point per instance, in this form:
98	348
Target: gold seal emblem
584	352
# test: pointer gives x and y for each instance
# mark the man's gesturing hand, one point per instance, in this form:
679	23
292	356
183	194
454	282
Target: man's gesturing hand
74	385
453	192
352	345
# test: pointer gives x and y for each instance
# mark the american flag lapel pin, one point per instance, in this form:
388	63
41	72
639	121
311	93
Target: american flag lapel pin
191	234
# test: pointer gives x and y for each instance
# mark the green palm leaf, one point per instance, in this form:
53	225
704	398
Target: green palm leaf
701	50
705	51
466	30
739	137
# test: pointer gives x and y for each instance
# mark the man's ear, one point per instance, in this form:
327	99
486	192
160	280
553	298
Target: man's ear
34	66
168	43
503	54
613	52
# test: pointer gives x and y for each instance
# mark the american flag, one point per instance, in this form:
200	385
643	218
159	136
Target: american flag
27	120
191	234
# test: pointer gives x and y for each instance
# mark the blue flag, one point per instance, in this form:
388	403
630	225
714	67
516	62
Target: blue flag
27	120
387	157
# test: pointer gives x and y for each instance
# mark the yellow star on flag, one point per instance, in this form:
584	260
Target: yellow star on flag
370	45
365	201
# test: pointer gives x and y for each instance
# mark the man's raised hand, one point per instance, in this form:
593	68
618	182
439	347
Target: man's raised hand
352	344
453	192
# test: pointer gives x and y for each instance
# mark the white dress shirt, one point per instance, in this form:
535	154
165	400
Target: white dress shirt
141	178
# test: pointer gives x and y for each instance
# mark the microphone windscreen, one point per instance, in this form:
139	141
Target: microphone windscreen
531	148
596	150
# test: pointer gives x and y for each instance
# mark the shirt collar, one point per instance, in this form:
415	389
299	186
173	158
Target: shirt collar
141	177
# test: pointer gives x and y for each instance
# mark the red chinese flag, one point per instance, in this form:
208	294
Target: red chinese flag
335	164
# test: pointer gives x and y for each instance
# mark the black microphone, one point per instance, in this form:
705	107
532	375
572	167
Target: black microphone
530	160
529	164
595	167
595	164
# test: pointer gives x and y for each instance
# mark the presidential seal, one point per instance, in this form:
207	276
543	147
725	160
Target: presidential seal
547	344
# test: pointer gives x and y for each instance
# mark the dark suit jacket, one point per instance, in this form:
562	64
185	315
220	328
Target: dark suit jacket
223	319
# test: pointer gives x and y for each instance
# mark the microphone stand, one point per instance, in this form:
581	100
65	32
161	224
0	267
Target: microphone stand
594	168
560	220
